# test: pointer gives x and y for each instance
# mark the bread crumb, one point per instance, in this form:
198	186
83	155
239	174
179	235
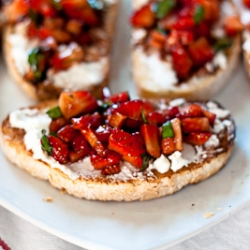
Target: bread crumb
219	209
208	215
48	199
63	191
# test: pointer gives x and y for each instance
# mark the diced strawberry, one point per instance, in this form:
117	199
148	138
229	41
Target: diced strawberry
200	51
181	61
167	146
78	143
120	97
116	120
233	25
109	158
87	121
157	39
131	109
191	110
151	137
211	116
114	169
143	18
44	33
132	124
200	124
127	145
74	4
92	139
203	29
134	109
74	156
75	103
171	112
47	10
185	37
57	124
60	151
66	133
246	3
197	138
184	24
103	133
32	30
176	126
167	22
156	118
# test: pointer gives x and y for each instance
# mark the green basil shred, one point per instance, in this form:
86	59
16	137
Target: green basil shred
199	14
164	7
45	143
167	130
54	113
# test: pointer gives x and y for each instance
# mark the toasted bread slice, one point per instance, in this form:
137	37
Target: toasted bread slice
154	77
159	179
96	68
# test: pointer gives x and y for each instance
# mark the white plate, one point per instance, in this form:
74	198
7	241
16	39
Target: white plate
154	224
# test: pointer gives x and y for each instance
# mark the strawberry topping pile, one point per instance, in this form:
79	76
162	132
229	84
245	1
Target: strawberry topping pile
116	129
183	29
77	24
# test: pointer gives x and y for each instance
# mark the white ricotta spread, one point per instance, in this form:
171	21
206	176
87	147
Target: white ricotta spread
138	35
80	75
160	74
34	121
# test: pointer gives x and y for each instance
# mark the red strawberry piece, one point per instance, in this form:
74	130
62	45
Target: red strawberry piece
116	120
60	151
47	10
191	110
75	156
75	103
92	121
156	118
185	37
92	139
16	9
171	112
134	109
114	169
66	133
197	138
103	133
109	158
143	18
131	109
176	126
44	33
184	23
151	137
57	124
167	146
132	124
181	61
247	3
211	116
127	146
201	52
203	29
120	97
200	124
211	9
79	143
233	25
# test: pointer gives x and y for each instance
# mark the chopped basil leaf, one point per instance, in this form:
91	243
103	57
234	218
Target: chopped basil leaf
222	43
164	7
35	58
54	112
45	143
167	130
199	14
145	160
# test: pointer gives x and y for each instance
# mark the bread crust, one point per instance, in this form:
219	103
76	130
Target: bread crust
102	188
246	61
43	91
198	87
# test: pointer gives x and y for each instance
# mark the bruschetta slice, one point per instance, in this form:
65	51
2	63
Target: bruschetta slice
116	148
51	46
183	48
